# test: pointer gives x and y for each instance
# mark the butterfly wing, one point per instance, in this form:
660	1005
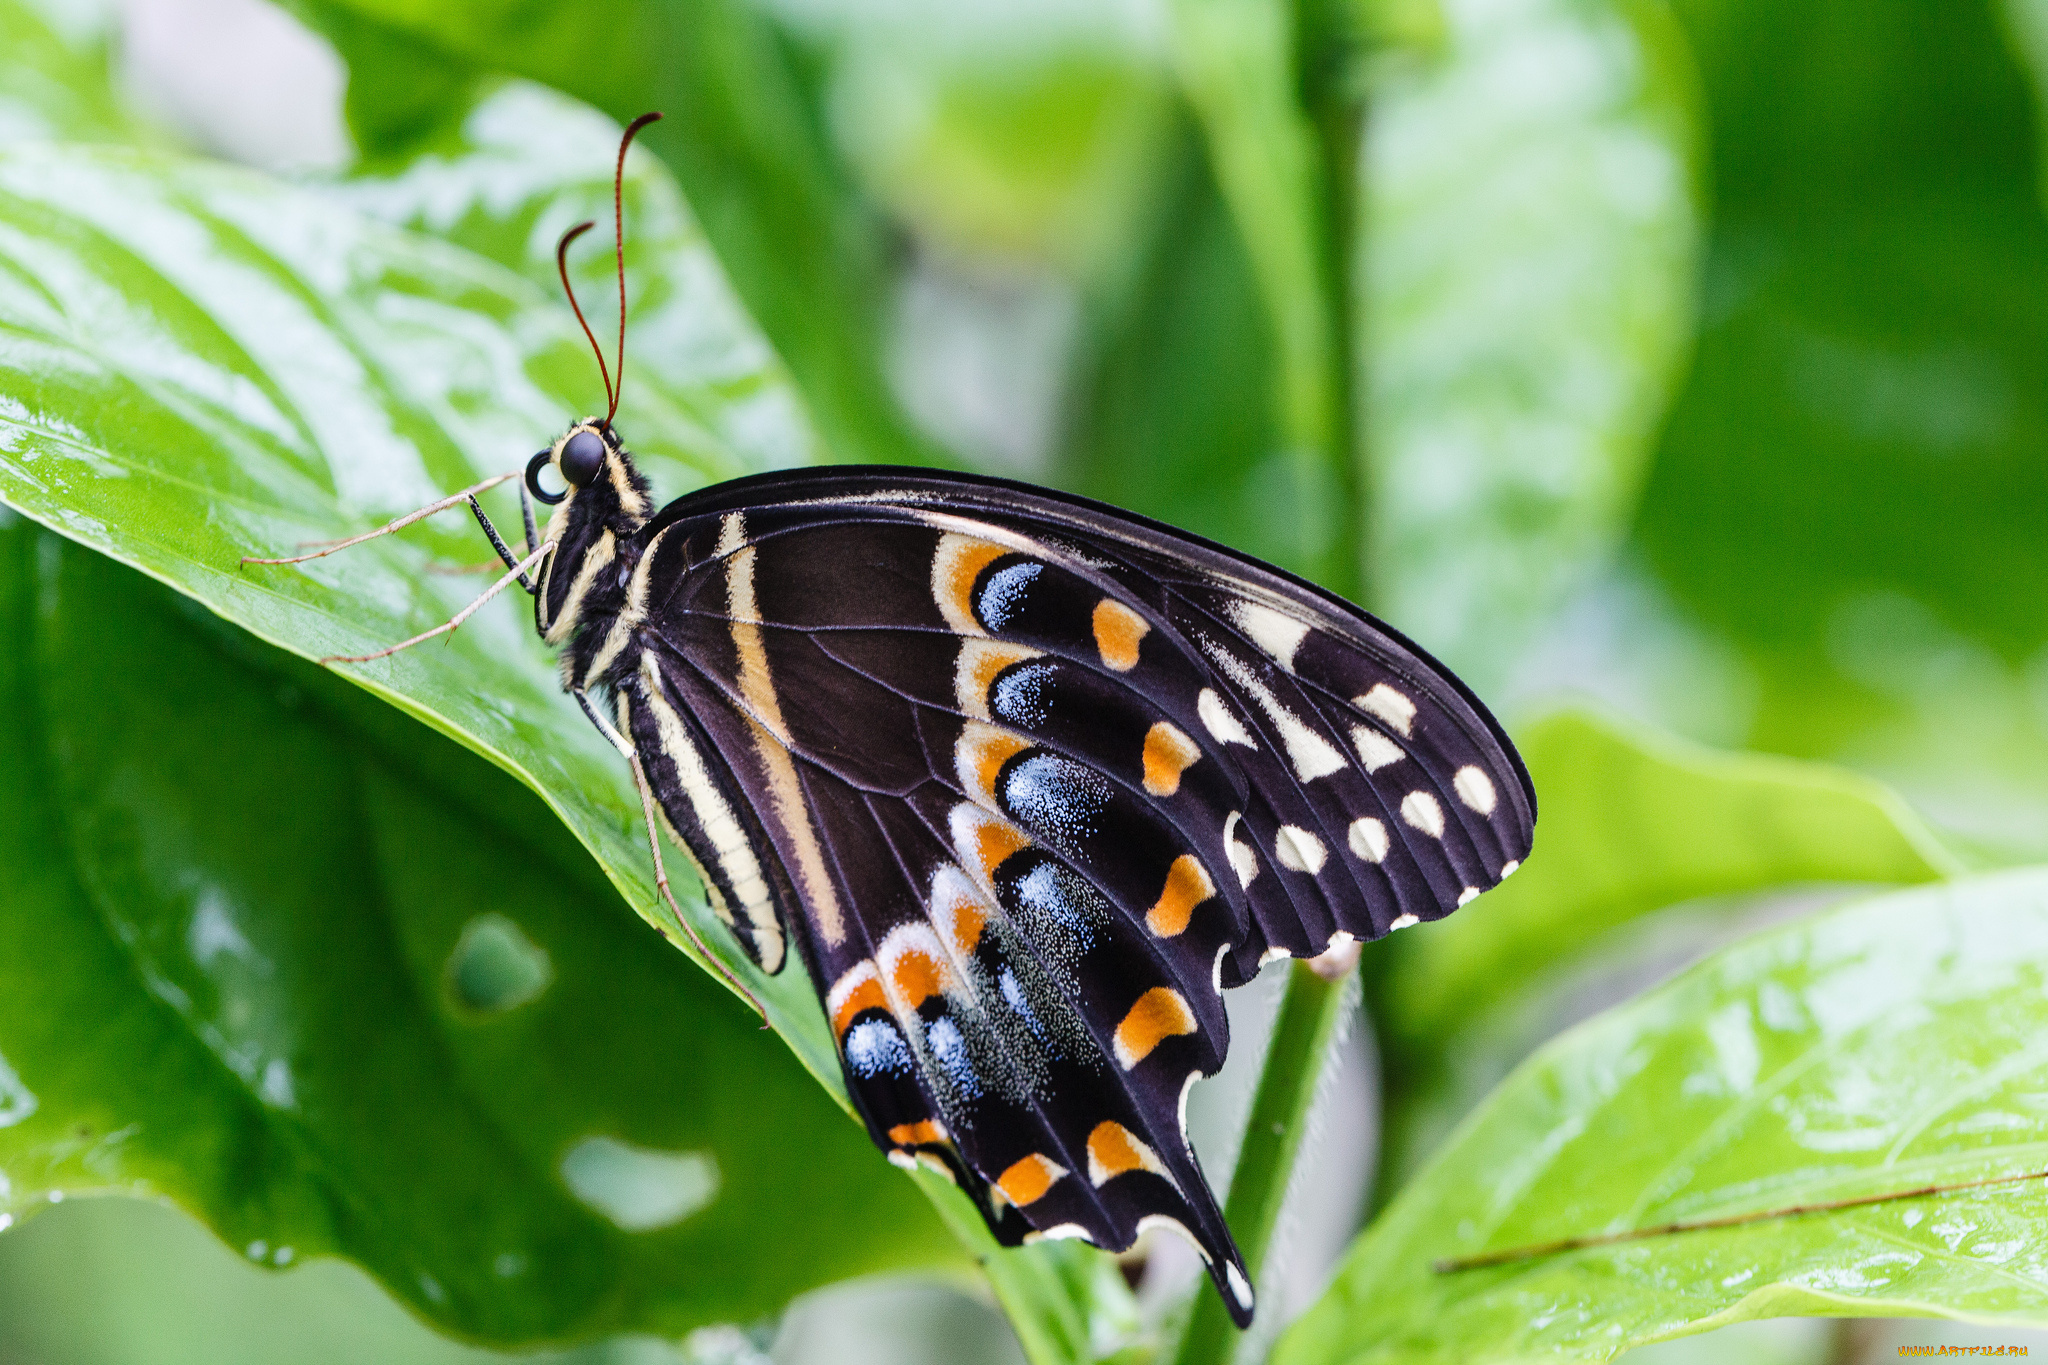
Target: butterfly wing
1037	781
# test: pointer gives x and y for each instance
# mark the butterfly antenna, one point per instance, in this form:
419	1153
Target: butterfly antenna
619	247
562	265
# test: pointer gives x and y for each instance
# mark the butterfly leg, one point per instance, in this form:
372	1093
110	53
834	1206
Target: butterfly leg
518	574
466	495
618	741
498	541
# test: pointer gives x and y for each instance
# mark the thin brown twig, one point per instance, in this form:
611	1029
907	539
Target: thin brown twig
1453	1264
452	500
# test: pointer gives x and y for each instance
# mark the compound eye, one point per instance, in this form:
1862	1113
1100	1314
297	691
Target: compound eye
582	456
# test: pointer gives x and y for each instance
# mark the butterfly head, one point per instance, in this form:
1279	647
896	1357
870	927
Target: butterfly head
603	502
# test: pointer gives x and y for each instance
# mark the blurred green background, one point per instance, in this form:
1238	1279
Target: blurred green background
1689	358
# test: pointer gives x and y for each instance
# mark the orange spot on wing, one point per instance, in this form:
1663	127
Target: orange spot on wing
1168	754
1117	632
1187	886
916	977
1160	1014
915	1134
995	841
968	922
1027	1181
865	996
1114	1149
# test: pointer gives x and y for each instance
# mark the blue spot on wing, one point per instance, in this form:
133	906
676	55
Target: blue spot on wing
1023	695
1056	799
1002	597
874	1048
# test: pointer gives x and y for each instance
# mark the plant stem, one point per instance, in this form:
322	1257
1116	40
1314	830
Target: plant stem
1050	1323
1309	1014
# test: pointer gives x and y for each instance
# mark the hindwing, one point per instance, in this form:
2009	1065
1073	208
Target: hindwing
1030	782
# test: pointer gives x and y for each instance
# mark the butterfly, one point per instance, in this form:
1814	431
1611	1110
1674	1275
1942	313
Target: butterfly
1024	782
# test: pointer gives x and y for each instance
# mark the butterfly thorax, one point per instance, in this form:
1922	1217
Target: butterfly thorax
596	531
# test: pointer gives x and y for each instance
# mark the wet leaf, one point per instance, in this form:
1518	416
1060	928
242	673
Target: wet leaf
1631	822
747	143
1887	1046
262	895
201	364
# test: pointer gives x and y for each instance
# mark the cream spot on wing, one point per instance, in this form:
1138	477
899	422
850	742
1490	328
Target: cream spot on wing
859	989
1375	750
732	533
1063	1232
1475	789
1390	706
983	841
1311	755
1164	1223
1299	850
1274	955
913	967
1421	810
1279	635
1468	895
1242	858
1216	717
957	911
1509	868
1403	922
1239	1290
1368	839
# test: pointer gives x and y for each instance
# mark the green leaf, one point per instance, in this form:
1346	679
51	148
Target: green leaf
1237	67
521	166
1530	228
54	78
1630	822
1847	494
1175	414
808	258
341	988
1884	1047
200	365
402	92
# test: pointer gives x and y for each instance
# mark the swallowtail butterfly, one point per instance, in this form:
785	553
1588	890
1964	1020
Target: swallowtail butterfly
1025	782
